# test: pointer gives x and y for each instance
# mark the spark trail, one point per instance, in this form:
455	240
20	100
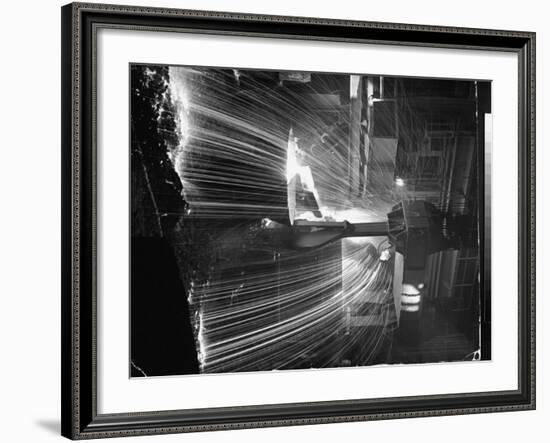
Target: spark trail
257	304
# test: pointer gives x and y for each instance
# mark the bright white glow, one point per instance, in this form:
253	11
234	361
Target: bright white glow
352	215
354	82
410	299
293	168
180	99
409	289
420	286
307	178
202	345
385	255
410	308
399	181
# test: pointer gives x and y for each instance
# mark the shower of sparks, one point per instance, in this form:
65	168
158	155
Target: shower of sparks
276	320
236	167
257	304
178	93
260	305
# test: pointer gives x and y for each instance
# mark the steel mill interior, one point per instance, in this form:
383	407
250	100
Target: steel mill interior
297	220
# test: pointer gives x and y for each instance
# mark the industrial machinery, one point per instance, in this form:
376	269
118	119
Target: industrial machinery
414	227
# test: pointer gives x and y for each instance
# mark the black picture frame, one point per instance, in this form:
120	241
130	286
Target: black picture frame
79	174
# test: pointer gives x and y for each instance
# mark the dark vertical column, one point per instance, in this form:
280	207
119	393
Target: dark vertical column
66	222
162	341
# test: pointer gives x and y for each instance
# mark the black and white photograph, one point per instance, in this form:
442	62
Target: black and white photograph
242	221
286	220
277	221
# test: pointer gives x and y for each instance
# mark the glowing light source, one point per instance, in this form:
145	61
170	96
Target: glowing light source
385	255
411	308
409	289
410	295
399	182
295	169
201	342
410	299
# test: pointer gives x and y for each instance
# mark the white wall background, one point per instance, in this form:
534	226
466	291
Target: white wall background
30	220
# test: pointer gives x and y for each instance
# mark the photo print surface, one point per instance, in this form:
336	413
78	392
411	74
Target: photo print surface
304	220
